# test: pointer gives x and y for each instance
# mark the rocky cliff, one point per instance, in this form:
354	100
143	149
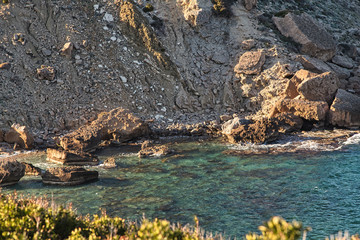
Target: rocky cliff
61	62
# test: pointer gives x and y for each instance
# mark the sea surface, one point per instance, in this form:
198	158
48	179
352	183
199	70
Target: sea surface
232	195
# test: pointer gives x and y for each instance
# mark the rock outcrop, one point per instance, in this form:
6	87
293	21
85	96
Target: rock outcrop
322	87
301	75
345	110
118	124
305	30
266	129
69	176
31	170
11	171
20	135
149	150
250	62
309	110
71	158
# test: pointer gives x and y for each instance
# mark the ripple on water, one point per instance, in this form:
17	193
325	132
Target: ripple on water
232	194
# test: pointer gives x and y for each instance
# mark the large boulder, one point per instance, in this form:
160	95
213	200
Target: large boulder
250	62
313	64
69	176
231	124
345	110
20	135
71	158
292	85
309	110
322	87
305	30
118	124
266	129
11	171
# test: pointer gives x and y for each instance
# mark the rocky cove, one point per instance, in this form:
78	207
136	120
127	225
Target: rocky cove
268	77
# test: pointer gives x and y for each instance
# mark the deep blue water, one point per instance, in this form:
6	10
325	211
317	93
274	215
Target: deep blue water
229	194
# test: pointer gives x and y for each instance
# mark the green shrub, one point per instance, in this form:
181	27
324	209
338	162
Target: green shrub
278	229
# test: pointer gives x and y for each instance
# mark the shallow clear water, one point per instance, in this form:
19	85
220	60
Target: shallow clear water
229	194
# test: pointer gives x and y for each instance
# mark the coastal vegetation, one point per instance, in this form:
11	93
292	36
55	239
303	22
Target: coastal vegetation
37	218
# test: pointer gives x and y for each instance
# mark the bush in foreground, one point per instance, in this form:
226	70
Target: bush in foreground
36	218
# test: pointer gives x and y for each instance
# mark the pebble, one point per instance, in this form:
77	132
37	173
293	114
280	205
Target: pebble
108	17
46	52
113	38
123	79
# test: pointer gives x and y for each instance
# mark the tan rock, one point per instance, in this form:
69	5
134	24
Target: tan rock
70	158
345	110
250	62
249	4
67	49
309	110
31	170
292	85
248	44
45	73
20	135
154	151
69	176
266	129
118	124
322	87
11	171
109	163
305	30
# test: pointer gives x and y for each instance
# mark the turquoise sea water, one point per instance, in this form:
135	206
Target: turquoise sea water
229	194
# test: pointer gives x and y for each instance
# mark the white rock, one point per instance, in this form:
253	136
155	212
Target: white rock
108	17
113	38
123	79
157	117
163	109
77	57
96	7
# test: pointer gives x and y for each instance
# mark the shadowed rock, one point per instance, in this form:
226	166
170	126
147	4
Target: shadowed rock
345	110
69	176
11	171
305	30
118	124
31	170
292	85
322	87
20	135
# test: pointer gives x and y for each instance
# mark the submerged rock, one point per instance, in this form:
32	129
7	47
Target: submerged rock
266	129
345	110
118	124
71	158
69	176
20	135
305	30
11	171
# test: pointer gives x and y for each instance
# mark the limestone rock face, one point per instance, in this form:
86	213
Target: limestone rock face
69	176
266	129
309	110
322	87
250	62
118	124
20	135
345	110
70	158
305	30
11	171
